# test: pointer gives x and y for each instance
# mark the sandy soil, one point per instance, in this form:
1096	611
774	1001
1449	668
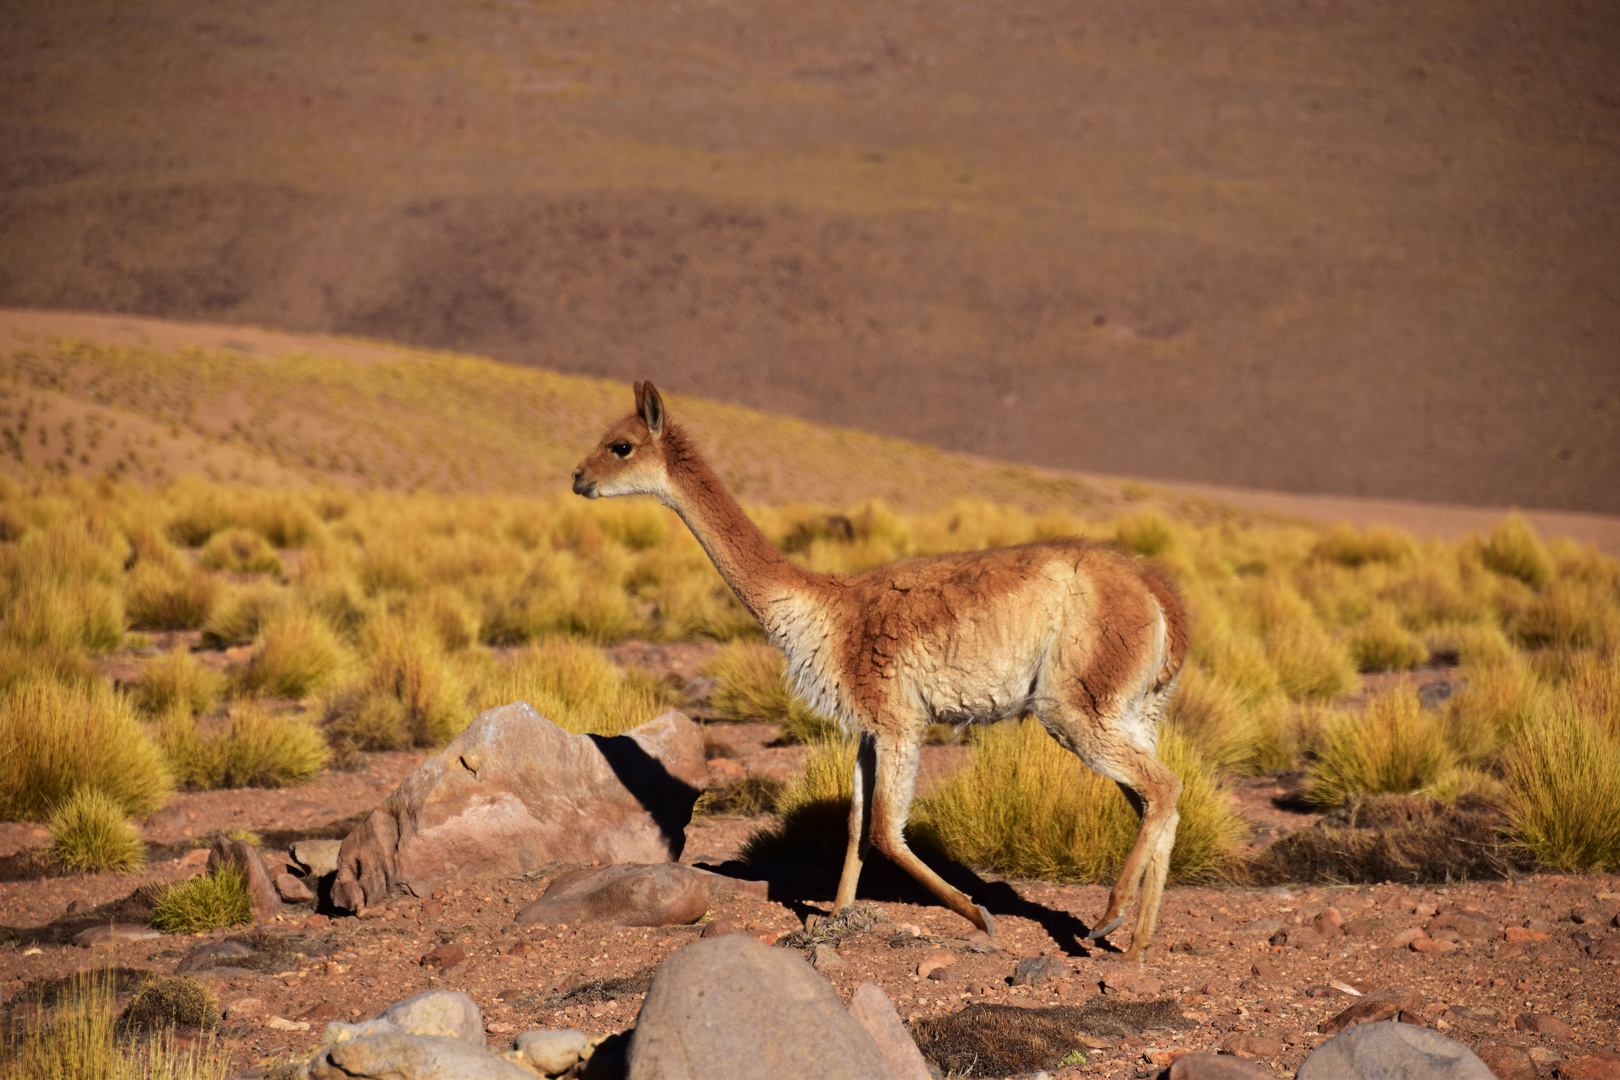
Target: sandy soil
1303	247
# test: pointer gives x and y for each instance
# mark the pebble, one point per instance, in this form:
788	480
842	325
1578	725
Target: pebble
552	1052
825	958
292	889
1603	1065
942	959
1543	1024
1254	1046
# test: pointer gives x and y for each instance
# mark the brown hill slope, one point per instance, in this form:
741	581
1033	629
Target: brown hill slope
1364	249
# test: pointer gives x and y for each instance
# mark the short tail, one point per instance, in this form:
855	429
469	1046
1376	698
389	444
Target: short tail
1175	624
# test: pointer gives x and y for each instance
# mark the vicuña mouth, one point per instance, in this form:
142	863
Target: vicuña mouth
587	489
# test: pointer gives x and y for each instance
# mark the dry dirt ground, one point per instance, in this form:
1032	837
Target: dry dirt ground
1312	246
1542	945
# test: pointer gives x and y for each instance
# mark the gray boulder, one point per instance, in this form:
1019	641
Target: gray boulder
266	903
1381	1049
552	1052
317	857
395	1055
445	1014
731	1007
514	794
661	894
872	1009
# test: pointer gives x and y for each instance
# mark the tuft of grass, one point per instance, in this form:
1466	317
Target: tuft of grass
81	1040
253	747
747	797
1024	805
1309	665
240	616
1348	546
1381	643
410	693
1148	533
752	685
177	681
1513	550
812	812
172	1001
574	686
1563	779
63	736
91	834
239	551
297	654
1391	747
1569	615
205	903
160	598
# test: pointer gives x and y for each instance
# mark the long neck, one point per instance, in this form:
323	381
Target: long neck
760	575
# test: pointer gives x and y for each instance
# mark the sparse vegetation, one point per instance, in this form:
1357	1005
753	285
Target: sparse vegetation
204	903
250	747
90	833
752	686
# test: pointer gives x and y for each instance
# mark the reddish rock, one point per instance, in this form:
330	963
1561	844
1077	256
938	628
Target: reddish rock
871	1008
661	894
1603	1065
444	956
1468	925
1254	1046
1132	982
1406	937
1543	1024
514	793
262	891
1361	928
1433	945
1382	1004
1265	970
942	959
1508	1062
292	889
1216	1067
1522	934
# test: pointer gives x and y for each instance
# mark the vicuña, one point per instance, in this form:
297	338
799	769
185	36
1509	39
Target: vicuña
1087	639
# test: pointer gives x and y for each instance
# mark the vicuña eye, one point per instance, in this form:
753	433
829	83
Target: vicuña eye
622	449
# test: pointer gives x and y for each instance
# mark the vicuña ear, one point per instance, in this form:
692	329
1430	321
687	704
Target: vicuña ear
650	407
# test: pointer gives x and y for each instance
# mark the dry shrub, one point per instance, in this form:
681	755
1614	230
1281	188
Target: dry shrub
297	654
1148	533
1381	643
90	833
252	747
1563	776
80	1040
1005	1040
561	597
239	551
1310	665
575	687
1348	546
689	598
1569	615
22	664
158	598
1513	550
812	812
60	737
749	796
1025	806
1392	746
1212	717
205	903
752	686
177	681
75	616
407	692
173	1001
241	615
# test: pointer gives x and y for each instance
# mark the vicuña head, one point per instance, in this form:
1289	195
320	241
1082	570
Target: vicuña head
1083	637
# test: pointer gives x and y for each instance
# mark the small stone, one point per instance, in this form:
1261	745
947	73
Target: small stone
1381	1004
942	959
1543	1024
292	889
315	922
1544	1056
113	934
1132	982
280	1024
1522	933
1264	969
317	857
446	1013
1036	970
1216	1067
248	1008
444	956
1508	1062
1433	945
1330	915
1406	937
552	1052
1603	1065
1254	1046
825	958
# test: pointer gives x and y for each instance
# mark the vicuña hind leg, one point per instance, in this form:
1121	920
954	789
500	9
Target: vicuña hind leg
896	779
859	815
1156	790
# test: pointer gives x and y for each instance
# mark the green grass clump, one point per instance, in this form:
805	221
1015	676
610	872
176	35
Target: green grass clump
411	693
204	903
1381	643
82	1039
1348	546
296	654
1148	533
1513	550
172	1001
161	598
90	833
1392	747
1563	778
177	681
63	736
239	551
239	617
1024	805
752	686
574	686
253	747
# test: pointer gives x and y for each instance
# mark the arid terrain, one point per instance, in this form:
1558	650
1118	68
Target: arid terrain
1319	247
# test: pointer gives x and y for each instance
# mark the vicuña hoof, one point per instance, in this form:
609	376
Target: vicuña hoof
1104	931
989	920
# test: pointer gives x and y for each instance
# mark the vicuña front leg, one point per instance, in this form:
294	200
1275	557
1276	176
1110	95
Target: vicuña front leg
896	779
859	814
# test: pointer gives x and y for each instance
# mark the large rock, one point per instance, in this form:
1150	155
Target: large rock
872	1009
729	1006
514	794
266	903
1386	1003
444	1014
318	857
1378	1050
662	894
395	1055
1216	1067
